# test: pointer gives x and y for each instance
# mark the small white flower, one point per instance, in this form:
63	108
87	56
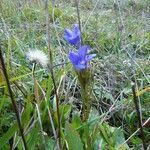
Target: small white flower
38	57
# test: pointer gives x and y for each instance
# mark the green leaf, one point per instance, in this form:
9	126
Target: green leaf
33	138
14	128
8	135
51	144
113	137
104	132
26	116
135	140
119	137
76	121
2	102
20	77
73	138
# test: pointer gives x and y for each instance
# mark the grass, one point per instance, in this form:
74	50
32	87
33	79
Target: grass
118	32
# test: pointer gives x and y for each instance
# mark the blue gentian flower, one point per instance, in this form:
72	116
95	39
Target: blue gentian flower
80	59
73	37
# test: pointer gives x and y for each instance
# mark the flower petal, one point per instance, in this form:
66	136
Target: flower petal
74	58
74	40
73	37
76	29
68	32
89	57
83	51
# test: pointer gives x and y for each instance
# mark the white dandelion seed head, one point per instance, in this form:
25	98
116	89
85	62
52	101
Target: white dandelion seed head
38	57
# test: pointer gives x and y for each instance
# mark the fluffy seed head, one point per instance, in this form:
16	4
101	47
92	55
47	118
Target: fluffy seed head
38	57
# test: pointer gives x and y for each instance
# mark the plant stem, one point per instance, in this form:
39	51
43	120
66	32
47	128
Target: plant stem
37	101
36	93
40	123
12	99
135	99
84	78
51	69
79	19
86	104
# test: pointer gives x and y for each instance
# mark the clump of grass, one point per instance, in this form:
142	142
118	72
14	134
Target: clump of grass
117	32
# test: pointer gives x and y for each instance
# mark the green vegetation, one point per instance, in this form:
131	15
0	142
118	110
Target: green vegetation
118	32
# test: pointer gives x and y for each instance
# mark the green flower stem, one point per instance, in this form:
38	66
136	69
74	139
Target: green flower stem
85	82
86	103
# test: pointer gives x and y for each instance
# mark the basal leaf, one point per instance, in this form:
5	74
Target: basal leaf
73	138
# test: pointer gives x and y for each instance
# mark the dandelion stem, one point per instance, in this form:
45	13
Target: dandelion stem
12	99
37	101
36	94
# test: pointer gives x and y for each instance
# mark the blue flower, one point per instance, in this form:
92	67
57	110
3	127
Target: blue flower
73	37
80	59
